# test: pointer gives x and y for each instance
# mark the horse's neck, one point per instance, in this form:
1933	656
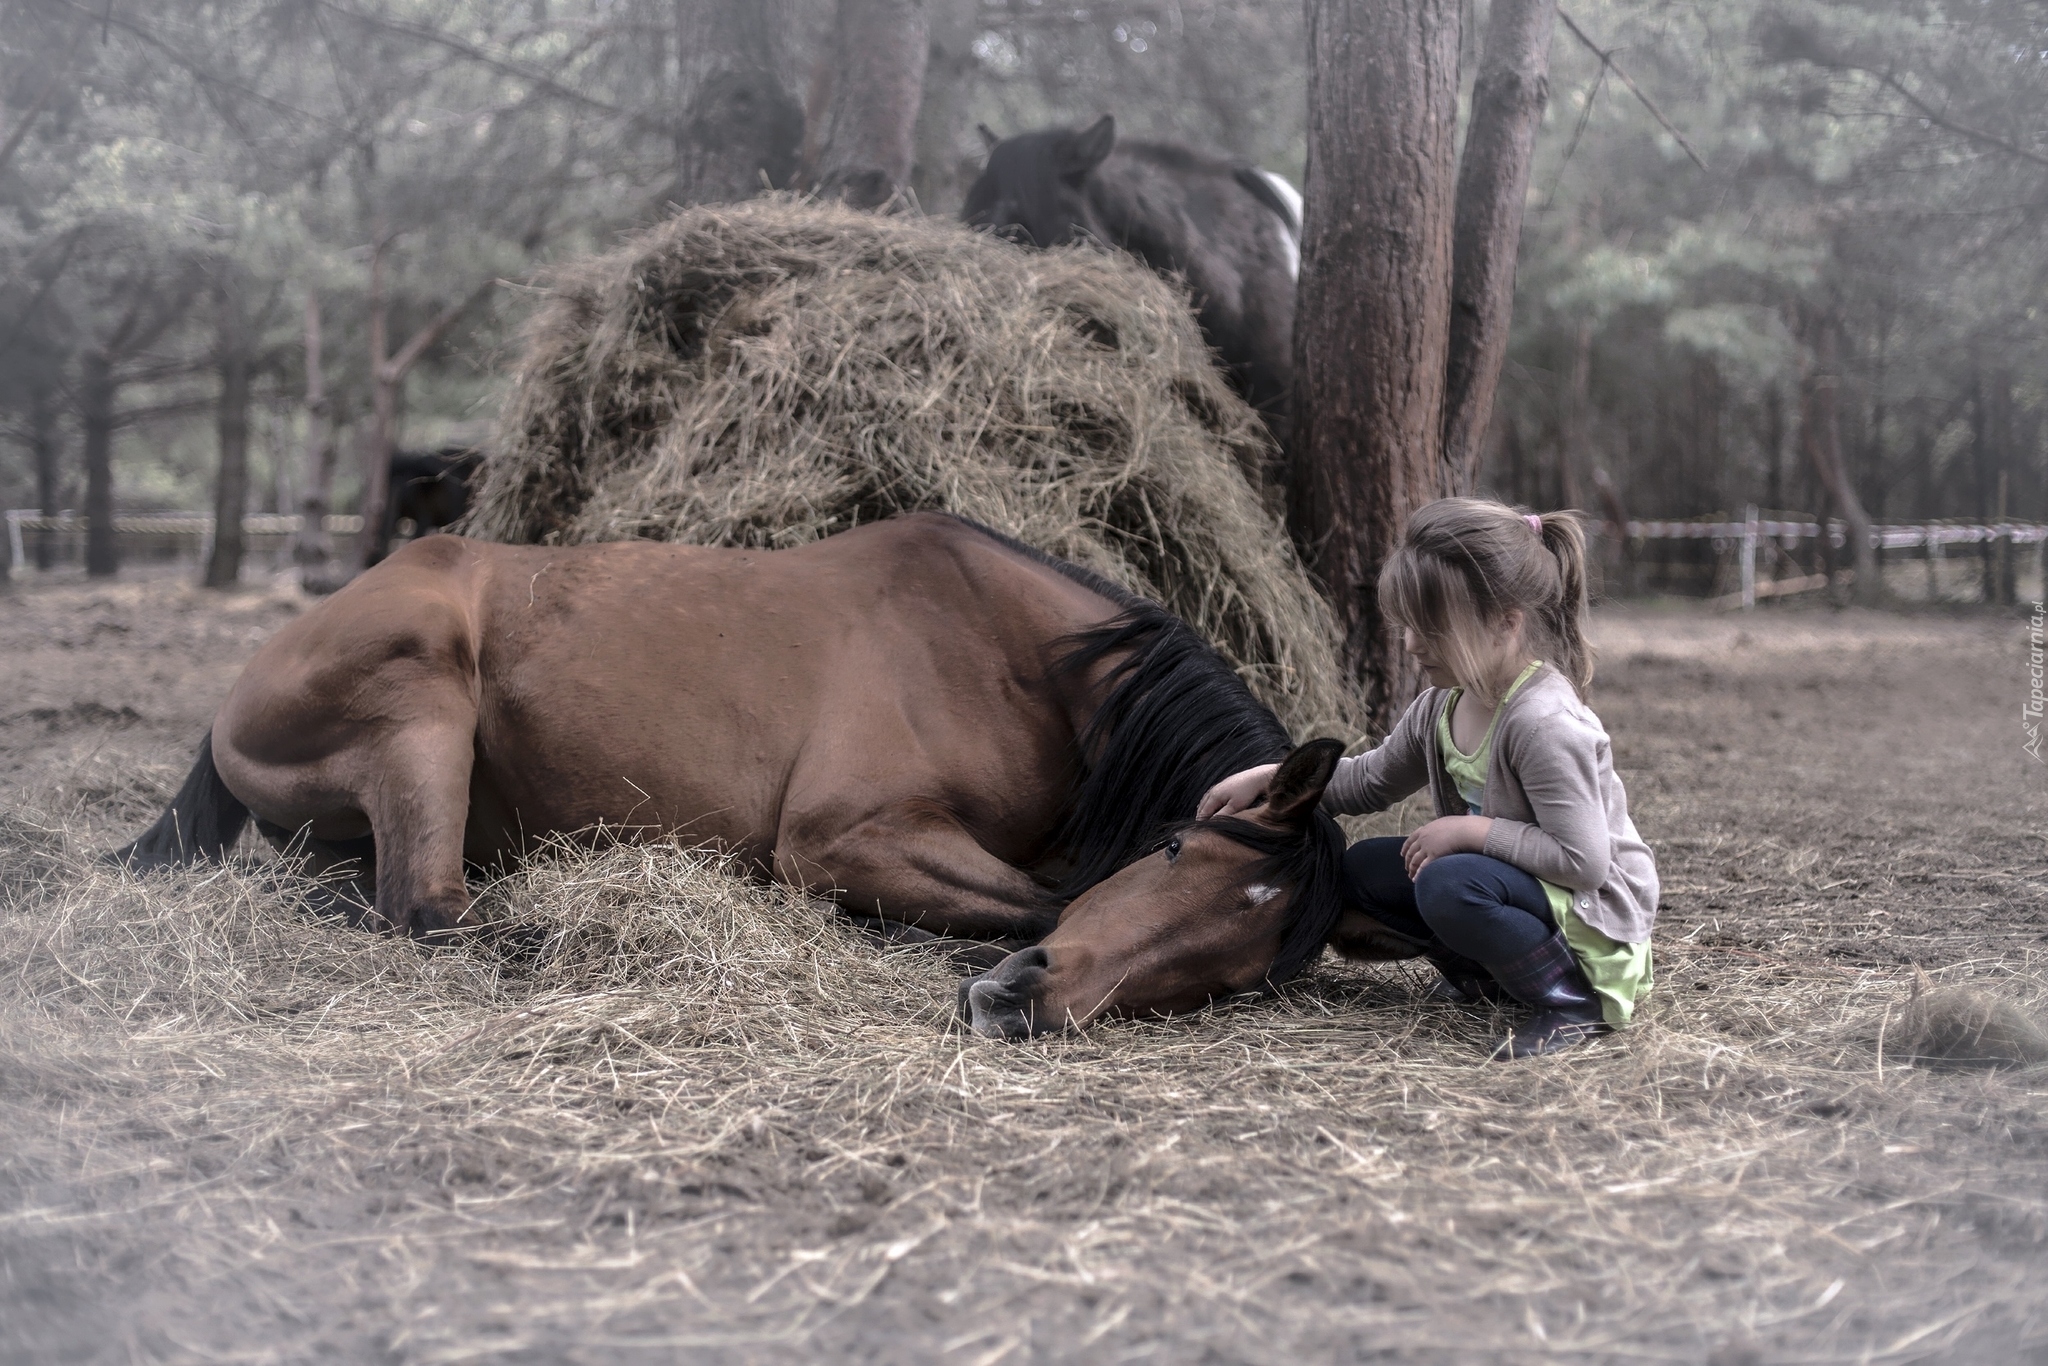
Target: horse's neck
1149	763
1119	210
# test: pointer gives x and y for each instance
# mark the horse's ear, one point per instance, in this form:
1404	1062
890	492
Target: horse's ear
1085	150
989	137
1292	795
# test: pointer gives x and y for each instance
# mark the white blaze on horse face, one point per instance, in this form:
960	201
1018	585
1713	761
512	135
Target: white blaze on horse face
1260	893
1290	236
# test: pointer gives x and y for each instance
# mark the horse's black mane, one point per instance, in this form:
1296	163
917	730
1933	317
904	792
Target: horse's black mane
1177	719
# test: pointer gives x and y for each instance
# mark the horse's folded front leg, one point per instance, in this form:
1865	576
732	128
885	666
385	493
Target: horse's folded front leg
913	862
417	799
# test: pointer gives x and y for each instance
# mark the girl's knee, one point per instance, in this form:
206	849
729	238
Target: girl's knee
1451	877
1456	895
1462	900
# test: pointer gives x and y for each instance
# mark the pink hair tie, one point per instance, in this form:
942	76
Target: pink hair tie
1535	522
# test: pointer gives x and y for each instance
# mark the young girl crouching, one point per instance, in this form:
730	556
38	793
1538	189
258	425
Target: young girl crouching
1531	883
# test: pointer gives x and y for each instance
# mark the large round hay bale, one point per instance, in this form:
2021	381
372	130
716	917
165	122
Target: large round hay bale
767	373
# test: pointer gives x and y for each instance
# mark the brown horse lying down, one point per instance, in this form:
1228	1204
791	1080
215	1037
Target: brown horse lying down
920	719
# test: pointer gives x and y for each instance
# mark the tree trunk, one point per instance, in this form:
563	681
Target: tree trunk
1615	513
98	389
879	53
1980	461
312	548
2004	577
1372	329
1515	461
1820	432
278	490
1994	461
1774	449
372	543
741	124
1875	486
42	436
1709	462
943	166
1493	183
231	484
1578	411
387	377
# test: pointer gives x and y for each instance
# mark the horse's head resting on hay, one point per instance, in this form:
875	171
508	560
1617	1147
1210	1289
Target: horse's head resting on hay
1219	908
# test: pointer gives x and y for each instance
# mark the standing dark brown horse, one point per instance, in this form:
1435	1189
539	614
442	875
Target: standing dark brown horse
921	719
1232	231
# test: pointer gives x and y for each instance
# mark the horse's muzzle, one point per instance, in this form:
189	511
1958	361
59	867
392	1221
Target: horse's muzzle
1003	1003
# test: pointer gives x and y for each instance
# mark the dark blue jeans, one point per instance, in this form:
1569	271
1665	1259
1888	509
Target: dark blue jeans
1477	907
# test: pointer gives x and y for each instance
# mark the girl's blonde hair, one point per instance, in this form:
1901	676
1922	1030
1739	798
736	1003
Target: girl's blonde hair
1465	562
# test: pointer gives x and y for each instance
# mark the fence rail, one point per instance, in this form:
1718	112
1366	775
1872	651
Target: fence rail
1747	536
197	525
1754	533
1888	536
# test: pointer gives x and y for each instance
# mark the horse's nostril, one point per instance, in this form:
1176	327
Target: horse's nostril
1016	974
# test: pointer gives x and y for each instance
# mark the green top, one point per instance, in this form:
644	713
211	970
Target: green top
1618	972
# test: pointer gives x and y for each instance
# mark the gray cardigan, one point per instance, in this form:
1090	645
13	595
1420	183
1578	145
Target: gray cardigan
1558	810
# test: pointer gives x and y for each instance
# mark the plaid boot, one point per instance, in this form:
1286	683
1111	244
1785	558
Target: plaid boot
1548	980
1463	981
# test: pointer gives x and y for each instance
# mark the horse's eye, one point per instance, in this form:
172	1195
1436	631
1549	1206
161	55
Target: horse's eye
1172	849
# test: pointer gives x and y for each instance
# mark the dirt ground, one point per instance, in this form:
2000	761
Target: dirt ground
229	1132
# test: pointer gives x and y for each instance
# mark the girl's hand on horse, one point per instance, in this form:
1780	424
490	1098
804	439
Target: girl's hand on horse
1239	792
1444	835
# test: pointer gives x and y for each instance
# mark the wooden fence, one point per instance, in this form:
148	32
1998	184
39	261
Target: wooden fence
1762	548
1779	542
179	533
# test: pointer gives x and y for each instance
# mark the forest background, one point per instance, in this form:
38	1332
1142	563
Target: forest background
1738	202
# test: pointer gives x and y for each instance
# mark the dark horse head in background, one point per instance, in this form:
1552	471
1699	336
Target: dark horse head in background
430	489
1231	230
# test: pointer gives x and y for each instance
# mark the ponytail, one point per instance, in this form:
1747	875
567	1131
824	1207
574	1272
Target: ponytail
1564	536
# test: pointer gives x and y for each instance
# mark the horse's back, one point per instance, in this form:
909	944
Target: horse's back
1200	217
731	692
663	687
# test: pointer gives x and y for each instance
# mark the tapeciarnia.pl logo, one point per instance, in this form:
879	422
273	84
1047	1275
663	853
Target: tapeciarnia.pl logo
2037	651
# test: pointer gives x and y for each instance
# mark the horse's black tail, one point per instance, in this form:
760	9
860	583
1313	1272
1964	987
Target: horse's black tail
202	823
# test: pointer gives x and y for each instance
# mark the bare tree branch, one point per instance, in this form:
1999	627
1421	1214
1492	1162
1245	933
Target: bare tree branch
1607	61
1939	120
500	64
43	288
42	99
174	408
1786	40
199	73
408	355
